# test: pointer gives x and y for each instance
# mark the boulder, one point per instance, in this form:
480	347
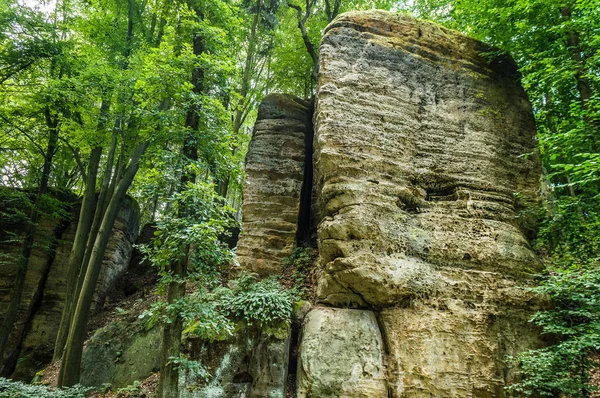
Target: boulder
341	355
121	353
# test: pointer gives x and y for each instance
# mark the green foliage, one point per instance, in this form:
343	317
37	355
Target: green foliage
574	322
264	302
297	270
15	207
301	259
186	364
192	235
200	313
132	391
15	389
569	241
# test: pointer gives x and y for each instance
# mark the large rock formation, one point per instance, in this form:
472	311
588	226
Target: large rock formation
423	157
32	342
423	154
254	363
275	168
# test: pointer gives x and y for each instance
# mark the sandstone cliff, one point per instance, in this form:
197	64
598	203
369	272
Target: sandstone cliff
423	158
420	164
275	169
32	341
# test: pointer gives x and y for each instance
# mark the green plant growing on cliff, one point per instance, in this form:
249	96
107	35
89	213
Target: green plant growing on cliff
187	252
297	269
265	302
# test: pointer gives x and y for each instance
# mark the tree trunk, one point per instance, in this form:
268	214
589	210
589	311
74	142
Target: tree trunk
11	312
584	86
310	47
82	234
239	111
168	383
84	225
71	360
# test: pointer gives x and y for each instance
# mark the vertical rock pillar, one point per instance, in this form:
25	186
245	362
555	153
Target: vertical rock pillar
275	166
424	153
254	363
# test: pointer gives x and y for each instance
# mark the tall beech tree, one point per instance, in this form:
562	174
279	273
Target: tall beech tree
21	49
168	384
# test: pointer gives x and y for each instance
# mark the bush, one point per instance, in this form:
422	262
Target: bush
569	241
265	302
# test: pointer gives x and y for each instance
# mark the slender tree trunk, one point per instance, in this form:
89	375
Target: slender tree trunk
84	225
168	383
71	361
80	244
162	23
584	86
111	193
31	229
310	47
332	10
239	111
81	267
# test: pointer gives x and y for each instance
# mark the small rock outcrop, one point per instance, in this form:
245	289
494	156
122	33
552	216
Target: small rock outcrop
275	166
424	151
251	363
121	353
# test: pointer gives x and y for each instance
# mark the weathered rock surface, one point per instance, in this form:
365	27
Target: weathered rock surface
275	166
119	250
420	173
32	341
341	355
121	353
250	364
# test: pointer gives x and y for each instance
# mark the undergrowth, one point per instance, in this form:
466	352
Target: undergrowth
16	389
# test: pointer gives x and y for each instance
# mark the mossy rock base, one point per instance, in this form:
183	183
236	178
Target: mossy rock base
121	353
252	363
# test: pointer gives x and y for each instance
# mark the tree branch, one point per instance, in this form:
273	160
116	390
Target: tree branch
76	156
24	133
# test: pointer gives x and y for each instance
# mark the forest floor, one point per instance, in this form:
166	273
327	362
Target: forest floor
134	292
